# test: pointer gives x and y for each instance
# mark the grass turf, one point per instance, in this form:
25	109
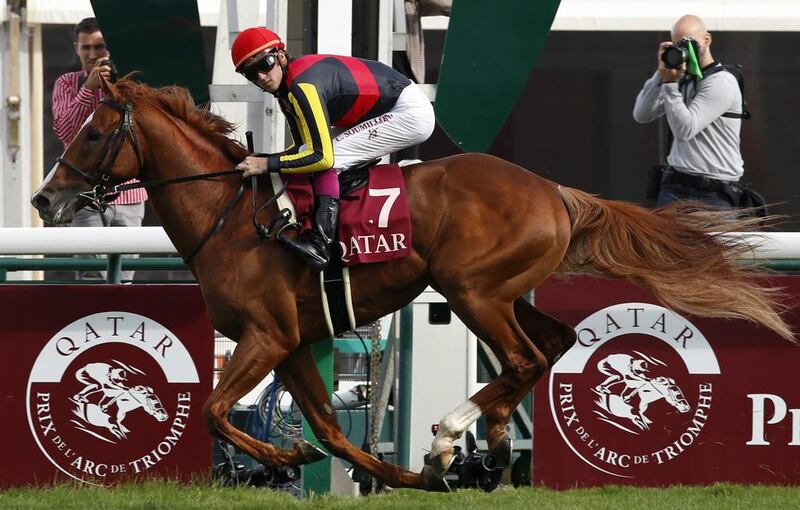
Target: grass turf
157	495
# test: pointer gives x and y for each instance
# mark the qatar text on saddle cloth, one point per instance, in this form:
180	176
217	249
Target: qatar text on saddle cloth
374	223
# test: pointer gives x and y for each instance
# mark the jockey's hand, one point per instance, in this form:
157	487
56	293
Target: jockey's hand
253	165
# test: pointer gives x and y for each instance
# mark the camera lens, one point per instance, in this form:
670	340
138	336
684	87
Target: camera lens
674	56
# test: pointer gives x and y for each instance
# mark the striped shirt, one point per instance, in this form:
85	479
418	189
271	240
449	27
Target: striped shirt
72	105
320	91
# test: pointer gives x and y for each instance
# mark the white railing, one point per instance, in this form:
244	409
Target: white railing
148	240
84	240
772	245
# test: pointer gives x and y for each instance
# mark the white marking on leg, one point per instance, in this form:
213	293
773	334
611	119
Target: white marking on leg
453	425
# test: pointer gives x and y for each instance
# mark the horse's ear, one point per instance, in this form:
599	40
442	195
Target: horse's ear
110	89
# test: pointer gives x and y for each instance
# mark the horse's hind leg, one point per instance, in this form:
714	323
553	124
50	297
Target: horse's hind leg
252	360
522	362
552	338
300	375
550	335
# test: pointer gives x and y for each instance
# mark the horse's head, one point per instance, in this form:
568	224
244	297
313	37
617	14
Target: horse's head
150	402
672	393
105	152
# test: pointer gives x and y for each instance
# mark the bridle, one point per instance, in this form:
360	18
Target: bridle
101	193
98	194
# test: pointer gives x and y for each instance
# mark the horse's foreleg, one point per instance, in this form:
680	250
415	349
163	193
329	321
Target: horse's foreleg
252	360
300	375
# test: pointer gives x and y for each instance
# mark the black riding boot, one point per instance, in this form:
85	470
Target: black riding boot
313	246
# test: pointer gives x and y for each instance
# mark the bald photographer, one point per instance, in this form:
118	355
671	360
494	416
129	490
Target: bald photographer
702	100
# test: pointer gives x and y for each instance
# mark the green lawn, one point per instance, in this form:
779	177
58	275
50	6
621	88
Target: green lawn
202	497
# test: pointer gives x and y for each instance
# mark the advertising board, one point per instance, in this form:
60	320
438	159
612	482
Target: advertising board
650	397
102	383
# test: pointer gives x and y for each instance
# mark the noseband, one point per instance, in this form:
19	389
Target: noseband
99	193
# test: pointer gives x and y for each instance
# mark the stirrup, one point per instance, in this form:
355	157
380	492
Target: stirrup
293	224
305	254
313	261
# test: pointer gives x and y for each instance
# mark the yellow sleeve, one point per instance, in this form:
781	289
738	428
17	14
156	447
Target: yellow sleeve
314	129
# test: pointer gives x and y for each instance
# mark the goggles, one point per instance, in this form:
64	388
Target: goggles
262	63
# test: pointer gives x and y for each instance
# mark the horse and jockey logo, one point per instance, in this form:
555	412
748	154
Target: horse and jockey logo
637	370
627	392
110	396
106	399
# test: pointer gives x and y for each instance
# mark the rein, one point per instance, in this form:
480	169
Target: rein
101	193
263	231
163	182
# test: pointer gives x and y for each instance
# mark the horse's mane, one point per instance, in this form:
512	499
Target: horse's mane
178	102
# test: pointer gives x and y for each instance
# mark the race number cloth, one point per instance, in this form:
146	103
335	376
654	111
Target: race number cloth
374	221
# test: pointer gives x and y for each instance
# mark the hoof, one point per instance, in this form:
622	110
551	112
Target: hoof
502	451
310	452
432	482
442	462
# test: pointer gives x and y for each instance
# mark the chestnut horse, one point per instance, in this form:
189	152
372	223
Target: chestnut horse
485	232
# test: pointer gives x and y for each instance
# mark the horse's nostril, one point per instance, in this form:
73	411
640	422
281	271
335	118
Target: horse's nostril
40	202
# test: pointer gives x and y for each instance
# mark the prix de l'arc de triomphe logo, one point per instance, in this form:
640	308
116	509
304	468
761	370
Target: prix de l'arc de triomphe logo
110	395
635	391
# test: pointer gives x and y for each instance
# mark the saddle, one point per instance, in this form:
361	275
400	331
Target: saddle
356	178
374	226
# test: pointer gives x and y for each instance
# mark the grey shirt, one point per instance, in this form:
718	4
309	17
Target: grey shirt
705	143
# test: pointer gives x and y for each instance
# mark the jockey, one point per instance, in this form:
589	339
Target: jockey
621	368
97	377
342	112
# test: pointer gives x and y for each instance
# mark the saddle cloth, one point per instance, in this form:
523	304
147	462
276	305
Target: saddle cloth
374	220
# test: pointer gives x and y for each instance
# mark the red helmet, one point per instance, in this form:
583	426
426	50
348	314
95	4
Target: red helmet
252	42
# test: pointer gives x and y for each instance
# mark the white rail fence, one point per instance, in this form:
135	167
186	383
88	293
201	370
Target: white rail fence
84	240
152	240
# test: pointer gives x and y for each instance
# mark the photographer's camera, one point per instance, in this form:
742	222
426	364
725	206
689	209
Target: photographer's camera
110	63
677	54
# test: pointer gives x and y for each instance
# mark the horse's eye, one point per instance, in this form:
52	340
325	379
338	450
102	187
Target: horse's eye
94	135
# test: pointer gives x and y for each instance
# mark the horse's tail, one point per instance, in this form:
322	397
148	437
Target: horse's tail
673	253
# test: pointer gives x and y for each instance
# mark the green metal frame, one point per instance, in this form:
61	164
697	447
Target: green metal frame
405	349
317	476
778	265
160	39
114	265
494	50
